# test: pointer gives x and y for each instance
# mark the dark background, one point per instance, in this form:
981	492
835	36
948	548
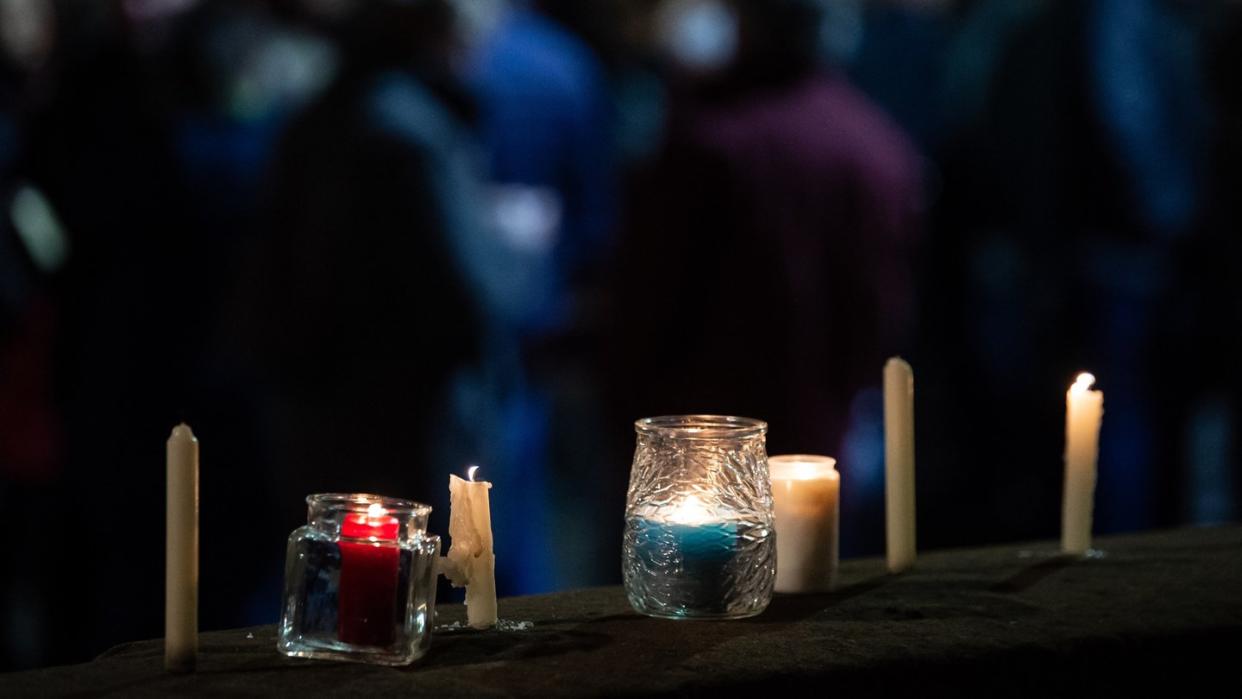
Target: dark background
361	245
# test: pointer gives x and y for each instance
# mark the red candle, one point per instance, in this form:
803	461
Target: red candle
367	593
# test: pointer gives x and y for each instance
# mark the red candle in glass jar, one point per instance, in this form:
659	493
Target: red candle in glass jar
367	594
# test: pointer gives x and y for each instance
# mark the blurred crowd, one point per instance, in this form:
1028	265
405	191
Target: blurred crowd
361	244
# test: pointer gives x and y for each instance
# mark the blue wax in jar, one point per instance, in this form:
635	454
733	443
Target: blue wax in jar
693	559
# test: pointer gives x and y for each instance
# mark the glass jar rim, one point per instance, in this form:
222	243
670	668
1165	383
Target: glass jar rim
360	502
701	426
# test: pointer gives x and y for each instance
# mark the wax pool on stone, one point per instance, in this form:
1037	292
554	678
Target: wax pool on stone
370	560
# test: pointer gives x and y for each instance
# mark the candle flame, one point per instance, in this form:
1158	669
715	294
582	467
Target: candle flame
375	511
690	511
1083	383
470	473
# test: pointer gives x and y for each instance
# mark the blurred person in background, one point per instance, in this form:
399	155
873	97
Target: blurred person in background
1207	298
1149	111
1074	171
980	341
546	126
894	51
372	271
155	181
128	315
32	249
238	71
766	265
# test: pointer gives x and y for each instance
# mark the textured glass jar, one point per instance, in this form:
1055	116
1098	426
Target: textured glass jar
360	581
699	536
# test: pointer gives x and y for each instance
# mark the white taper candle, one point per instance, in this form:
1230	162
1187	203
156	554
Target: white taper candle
899	464
181	552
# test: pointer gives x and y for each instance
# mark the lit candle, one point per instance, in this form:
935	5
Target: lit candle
1084	409
694	547
367	593
899	464
181	551
471	561
806	495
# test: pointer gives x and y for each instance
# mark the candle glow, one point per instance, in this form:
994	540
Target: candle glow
1083	383
690	510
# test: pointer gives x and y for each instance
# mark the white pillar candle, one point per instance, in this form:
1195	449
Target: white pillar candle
806	492
181	552
899	464
1084	409
471	561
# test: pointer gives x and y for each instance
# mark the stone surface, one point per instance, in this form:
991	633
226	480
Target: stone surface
1158	611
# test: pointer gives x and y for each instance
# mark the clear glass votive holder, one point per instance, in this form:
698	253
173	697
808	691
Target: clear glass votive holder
699	538
360	581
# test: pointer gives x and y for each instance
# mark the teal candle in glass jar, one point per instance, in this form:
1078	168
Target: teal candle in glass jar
692	550
699	541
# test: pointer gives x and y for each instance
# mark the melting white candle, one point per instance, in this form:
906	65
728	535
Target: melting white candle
1084	411
471	561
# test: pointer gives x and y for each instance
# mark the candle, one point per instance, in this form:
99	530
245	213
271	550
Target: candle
471	561
694	547
699	539
1084	409
181	551
367	593
805	494
899	464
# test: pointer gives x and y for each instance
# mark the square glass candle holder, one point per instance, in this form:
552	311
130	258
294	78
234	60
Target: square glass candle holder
699	540
360	581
